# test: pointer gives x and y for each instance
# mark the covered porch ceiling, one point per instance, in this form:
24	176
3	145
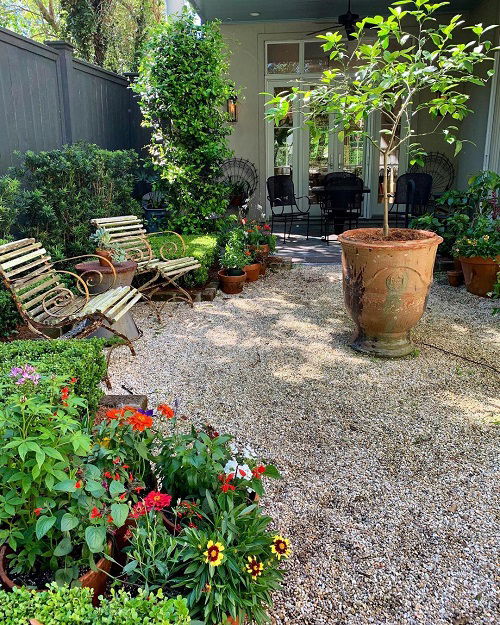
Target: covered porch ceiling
293	10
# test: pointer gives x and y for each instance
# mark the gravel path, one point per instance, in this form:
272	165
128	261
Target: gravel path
389	466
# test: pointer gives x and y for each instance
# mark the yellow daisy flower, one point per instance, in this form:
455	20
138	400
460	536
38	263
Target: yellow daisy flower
254	567
281	547
213	554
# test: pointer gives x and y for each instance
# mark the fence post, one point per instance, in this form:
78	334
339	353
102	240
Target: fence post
65	68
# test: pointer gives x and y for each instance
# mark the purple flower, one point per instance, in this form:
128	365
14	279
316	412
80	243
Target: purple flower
148	413
25	373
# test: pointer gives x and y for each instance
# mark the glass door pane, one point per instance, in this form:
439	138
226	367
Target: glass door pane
393	165
283	141
318	153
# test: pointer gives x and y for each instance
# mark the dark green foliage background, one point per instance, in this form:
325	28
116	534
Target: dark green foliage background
183	92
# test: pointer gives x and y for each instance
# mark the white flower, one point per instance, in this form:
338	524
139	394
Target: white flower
230	467
233	447
249	452
244	472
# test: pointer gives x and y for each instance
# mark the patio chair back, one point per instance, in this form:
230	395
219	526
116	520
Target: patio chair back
413	189
130	234
281	191
349	197
27	271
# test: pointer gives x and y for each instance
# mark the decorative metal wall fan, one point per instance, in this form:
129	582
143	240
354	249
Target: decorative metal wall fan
440	168
241	177
347	20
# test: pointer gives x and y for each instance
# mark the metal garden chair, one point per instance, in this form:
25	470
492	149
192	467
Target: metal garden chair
341	201
413	191
49	306
281	195
129	233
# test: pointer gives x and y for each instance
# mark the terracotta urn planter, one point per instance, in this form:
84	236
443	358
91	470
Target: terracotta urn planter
386	284
231	285
480	274
104	256
252	271
97	580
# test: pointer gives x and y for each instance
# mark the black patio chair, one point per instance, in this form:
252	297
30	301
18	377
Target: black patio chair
413	191
341	201
281	195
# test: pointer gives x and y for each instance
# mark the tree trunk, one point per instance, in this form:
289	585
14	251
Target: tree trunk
386	196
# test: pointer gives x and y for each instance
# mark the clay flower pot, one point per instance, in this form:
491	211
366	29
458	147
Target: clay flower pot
106	255
480	274
386	284
455	278
252	271
231	284
97	580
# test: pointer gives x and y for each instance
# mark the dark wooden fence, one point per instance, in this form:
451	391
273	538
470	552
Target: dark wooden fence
49	98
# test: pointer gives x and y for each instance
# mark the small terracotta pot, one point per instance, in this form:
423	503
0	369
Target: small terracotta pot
386	284
104	254
457	264
480	274
264	250
252	271
455	278
97	580
263	267
231	284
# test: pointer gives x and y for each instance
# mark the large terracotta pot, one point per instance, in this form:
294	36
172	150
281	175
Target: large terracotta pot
97	580
252	271
386	284
231	284
480	274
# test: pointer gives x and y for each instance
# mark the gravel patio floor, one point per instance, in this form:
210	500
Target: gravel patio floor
389	467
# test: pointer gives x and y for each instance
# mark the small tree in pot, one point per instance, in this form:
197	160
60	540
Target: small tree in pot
398	66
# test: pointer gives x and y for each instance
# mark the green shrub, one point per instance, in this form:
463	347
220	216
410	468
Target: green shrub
183	90
82	359
9	189
62	190
67	606
9	317
203	247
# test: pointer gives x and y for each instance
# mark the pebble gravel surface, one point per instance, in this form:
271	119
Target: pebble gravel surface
390	468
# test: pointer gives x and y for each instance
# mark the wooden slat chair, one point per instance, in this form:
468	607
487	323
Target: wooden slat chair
128	231
49	306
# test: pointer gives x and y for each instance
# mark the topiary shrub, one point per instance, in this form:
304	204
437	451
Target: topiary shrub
9	317
61	605
183	92
62	190
82	359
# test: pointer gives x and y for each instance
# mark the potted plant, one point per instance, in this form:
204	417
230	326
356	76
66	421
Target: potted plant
398	72
479	253
106	249
254	268
233	260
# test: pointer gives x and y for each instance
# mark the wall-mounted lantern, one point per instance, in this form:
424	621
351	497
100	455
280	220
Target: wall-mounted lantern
232	109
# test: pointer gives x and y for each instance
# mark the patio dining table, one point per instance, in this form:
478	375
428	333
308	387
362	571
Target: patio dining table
339	222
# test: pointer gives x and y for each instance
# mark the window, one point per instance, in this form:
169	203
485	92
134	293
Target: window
316	60
283	58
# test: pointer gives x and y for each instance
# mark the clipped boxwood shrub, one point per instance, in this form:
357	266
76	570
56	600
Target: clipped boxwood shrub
203	247
9	317
67	606
62	190
82	359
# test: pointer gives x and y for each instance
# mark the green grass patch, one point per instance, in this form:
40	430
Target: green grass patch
203	247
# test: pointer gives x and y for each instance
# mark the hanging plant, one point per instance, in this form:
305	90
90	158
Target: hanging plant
183	90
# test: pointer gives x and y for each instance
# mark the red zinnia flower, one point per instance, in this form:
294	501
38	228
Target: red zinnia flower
138	510
140	422
37	511
95	514
166	411
157	501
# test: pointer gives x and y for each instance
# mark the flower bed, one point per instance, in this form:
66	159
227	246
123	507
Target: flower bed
173	512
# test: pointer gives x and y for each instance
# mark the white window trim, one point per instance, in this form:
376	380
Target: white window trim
492	143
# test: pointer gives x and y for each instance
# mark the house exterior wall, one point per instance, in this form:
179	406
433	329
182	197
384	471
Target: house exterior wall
248	139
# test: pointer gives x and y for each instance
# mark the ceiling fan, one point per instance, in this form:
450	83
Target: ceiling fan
347	20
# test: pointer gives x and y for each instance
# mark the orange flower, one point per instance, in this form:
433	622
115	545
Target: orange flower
95	514
140	421
37	511
166	411
79	484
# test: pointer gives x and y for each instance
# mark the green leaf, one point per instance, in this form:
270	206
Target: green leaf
66	486
119	512
116	488
95	537
64	547
63	576
68	522
43	525
131	566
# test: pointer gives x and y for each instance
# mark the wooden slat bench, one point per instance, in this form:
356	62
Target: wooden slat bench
129	232
49	306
